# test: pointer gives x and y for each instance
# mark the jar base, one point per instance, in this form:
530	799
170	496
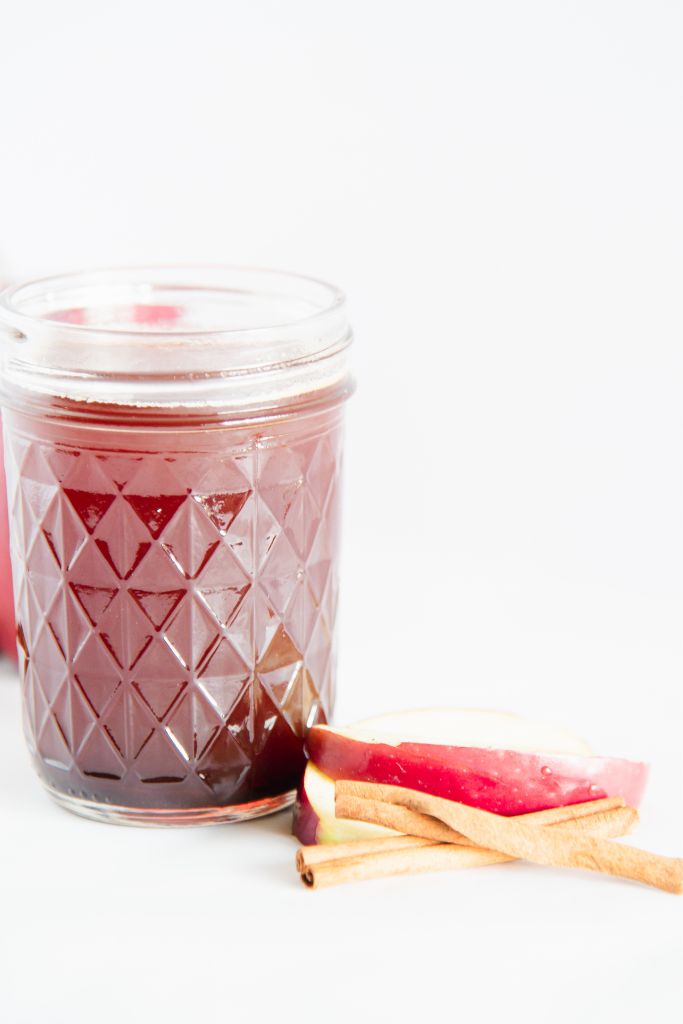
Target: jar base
151	817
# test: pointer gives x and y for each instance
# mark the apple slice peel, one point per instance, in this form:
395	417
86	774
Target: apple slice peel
500	774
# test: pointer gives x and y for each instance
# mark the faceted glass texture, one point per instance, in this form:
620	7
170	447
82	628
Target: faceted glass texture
176	593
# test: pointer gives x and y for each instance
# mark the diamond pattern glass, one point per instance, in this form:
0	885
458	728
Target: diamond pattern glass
176	594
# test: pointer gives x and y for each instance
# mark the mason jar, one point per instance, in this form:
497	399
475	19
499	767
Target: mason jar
173	444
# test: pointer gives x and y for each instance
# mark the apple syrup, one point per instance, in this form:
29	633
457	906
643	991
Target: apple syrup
7	628
176	591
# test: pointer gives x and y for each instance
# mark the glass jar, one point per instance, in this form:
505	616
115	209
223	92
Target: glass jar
173	444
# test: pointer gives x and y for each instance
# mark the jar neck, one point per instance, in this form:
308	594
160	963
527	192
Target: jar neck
134	416
214	342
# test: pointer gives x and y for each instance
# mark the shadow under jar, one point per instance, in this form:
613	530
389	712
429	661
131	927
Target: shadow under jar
173	445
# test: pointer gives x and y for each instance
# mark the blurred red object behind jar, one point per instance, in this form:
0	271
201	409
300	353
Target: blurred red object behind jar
7	632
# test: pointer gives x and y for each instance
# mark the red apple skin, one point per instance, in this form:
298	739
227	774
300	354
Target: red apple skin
7	630
305	821
505	782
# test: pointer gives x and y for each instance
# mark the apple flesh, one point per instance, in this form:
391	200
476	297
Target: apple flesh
314	817
467	727
496	762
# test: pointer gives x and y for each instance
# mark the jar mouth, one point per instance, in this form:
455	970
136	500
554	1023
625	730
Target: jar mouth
160	335
209	300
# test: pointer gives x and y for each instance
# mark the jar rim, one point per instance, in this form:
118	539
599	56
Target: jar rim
188	333
14	295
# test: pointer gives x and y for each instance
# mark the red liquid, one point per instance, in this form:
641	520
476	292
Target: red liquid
7	629
177	602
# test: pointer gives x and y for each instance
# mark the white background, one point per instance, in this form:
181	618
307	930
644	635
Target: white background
497	186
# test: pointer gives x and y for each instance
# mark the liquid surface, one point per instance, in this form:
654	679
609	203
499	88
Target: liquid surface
176	594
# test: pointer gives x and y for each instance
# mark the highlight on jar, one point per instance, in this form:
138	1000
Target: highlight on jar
173	442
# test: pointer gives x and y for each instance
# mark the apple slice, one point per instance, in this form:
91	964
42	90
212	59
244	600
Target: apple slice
497	762
314	817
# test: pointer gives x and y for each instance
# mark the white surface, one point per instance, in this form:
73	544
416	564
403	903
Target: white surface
497	188
105	923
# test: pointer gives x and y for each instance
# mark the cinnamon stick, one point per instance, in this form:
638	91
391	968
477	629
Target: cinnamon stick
306	856
402	819
412	825
433	857
321	866
557	847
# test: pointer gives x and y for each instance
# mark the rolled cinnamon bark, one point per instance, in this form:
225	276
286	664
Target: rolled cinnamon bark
414	823
319	867
558	847
434	857
309	855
